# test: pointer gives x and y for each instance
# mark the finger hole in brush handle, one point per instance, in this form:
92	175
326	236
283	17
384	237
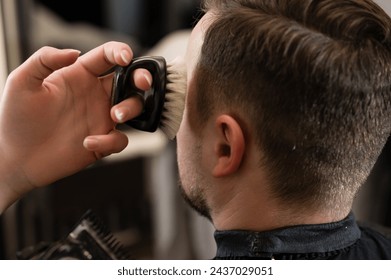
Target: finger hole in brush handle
153	99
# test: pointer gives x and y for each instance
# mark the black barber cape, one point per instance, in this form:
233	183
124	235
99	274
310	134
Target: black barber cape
343	240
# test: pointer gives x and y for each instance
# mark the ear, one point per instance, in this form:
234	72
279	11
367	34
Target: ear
229	146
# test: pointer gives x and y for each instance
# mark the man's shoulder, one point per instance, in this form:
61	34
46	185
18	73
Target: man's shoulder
375	230
374	243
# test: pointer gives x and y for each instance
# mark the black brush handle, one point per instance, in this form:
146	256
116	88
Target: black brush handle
123	88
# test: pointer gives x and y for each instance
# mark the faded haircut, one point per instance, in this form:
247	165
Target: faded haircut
311	79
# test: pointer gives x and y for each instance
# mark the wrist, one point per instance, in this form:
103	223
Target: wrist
7	194
13	183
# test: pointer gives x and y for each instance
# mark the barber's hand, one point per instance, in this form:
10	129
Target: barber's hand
50	104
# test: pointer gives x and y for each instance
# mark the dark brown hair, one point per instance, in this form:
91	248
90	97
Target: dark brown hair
312	79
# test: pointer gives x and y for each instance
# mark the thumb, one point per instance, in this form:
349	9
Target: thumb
42	63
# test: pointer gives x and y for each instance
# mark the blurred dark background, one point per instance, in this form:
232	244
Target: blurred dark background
148	21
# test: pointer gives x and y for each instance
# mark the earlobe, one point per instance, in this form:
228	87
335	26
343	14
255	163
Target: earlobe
229	146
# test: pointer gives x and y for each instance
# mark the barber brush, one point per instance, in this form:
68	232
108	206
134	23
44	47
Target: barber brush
163	103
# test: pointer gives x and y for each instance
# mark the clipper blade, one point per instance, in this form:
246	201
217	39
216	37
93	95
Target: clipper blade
89	240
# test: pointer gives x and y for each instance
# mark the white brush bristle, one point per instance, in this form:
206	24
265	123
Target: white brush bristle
174	104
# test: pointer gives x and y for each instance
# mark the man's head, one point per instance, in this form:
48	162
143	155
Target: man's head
307	83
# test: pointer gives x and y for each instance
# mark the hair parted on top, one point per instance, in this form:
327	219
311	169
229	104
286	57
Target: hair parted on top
312	78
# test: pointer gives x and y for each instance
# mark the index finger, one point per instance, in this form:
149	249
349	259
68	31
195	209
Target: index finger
104	57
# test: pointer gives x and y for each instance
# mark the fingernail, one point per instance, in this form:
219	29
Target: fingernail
148	79
91	143
71	51
120	115
75	51
125	55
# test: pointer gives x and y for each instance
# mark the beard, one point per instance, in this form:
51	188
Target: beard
196	200
192	180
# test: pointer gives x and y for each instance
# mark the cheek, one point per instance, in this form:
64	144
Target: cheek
183	140
182	137
189	136
186	135
187	144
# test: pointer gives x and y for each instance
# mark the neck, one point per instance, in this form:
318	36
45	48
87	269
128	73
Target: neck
257	211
